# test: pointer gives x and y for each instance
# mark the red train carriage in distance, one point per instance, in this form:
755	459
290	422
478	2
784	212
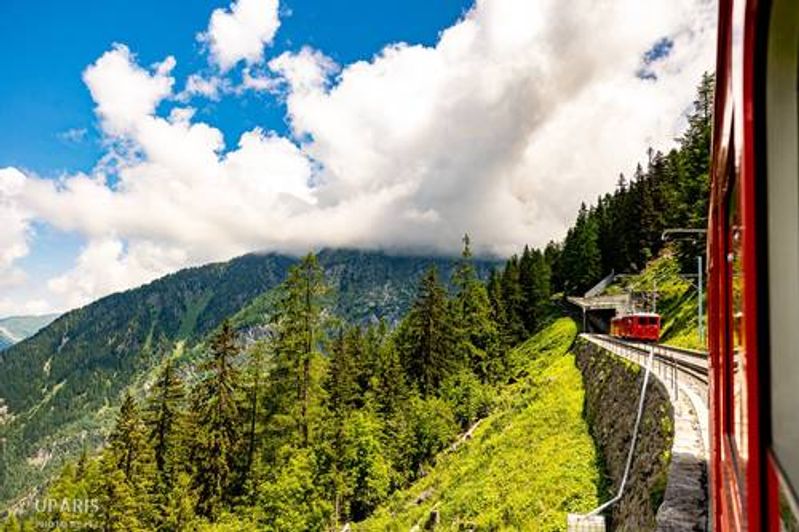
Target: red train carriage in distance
753	269
644	326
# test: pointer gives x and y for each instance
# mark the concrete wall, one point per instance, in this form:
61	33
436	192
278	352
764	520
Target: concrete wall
612	392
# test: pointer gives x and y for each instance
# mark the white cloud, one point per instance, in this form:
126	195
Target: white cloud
74	135
15	224
211	87
306	71
124	92
240	32
520	111
105	266
30	307
251	80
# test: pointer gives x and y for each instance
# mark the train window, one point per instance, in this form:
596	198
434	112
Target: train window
737	362
782	196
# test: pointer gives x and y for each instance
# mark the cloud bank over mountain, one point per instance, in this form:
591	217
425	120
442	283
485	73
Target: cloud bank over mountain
520	111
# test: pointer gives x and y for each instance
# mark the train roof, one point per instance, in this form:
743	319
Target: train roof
639	315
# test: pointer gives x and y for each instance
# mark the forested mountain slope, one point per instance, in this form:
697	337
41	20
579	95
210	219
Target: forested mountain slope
319	420
57	385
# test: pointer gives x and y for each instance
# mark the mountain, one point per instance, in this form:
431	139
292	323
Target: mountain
59	384
16	328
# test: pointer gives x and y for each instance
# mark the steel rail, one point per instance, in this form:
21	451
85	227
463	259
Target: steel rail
687	361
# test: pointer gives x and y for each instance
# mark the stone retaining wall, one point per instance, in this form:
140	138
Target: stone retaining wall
612	392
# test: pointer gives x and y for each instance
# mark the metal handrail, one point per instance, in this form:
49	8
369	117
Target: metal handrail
631	452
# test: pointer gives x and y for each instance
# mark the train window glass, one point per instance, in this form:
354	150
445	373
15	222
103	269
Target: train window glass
782	196
737	363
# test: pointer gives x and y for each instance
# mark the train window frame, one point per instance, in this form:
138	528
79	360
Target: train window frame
782	216
734	365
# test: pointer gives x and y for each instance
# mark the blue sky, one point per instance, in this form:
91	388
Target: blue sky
47	123
372	124
46	45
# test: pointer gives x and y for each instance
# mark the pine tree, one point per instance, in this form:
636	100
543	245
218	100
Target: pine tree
527	284
216	425
368	472
621	183
118	502
427	336
534	280
498	316
477	331
541	288
292	499
368	359
178	508
251	421
513	300
299	333
581	258
389	382
127	472
342	386
552	256
127	444
165	418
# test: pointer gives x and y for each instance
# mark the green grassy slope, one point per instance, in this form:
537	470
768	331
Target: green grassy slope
528	464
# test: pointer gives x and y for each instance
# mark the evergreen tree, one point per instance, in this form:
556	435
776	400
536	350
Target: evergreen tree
252	413
299	334
581	260
534	280
498	315
342	390
120	506
126	473
368	472
527	275
292	499
541	288
342	385
388	383
128	449
428	336
216	425
552	255
165	418
477	332
513	301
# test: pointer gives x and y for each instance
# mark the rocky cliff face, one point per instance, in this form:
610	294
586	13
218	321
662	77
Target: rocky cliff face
612	391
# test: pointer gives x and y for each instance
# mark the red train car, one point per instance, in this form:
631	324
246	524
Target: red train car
643	326
753	269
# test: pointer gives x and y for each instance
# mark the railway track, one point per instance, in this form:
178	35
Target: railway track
688	362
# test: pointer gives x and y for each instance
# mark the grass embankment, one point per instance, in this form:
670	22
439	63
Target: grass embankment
528	464
676	299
